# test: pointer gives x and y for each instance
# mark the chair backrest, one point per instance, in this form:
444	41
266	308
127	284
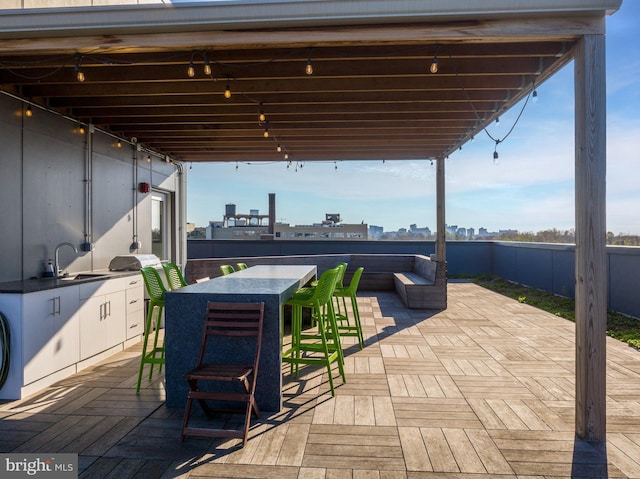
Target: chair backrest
226	269
342	269
355	280
153	282
323	291
175	280
241	266
239	320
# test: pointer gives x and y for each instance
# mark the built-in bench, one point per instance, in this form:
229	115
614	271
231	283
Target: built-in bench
418	288
419	281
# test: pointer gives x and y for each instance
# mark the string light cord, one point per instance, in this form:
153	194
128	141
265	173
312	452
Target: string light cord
497	141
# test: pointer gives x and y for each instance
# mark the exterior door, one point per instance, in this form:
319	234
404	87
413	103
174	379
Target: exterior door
160	225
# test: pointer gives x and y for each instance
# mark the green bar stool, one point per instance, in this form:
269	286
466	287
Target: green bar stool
175	280
226	269
344	324
241	266
156	292
323	344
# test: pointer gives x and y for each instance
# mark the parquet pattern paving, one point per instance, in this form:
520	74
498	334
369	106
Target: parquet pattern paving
484	389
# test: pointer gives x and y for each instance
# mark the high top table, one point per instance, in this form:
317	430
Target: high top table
184	317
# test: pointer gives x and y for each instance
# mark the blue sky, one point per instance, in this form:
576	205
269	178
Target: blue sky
531	188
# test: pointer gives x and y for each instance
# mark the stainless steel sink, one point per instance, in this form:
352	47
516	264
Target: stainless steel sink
80	276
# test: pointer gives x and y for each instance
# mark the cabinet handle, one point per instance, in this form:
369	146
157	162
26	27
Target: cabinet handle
109	308
57	311
133	301
133	326
53	307
101	311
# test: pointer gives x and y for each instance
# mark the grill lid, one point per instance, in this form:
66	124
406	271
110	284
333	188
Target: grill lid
133	262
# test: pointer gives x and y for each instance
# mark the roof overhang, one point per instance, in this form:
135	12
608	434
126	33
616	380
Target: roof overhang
371	95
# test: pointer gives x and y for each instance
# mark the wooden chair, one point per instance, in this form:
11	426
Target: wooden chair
175	280
156	292
226	323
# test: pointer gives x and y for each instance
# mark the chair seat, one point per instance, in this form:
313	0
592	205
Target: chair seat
220	372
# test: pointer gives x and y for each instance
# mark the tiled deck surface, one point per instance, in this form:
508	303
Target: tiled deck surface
484	389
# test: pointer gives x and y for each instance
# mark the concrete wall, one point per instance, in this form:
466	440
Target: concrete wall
59	184
550	267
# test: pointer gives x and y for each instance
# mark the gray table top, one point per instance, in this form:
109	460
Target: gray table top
261	279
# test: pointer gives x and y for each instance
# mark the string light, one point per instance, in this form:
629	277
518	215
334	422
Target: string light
227	90
286	157
28	112
236	166
278	148
119	144
81	130
309	68
148	158
433	68
534	96
261	117
266	133
79	73
434	65
191	71
335	166
207	65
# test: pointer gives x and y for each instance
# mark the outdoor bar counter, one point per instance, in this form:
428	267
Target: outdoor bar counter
184	316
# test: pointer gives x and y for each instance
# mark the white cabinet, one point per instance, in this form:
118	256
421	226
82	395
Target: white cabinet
135	306
102	316
50	332
53	331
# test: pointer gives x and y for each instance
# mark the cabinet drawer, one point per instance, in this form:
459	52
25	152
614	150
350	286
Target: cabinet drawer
135	299
135	323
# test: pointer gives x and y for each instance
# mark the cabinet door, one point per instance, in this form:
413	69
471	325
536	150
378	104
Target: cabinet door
92	338
38	331
115	320
66	345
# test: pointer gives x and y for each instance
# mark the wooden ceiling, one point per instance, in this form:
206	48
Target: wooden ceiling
370	96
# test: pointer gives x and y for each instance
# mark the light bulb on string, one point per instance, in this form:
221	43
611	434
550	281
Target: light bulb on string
79	73
191	71
227	91
207	65
434	65
534	96
261	115
278	148
148	158
236	166
28	112
265	133
433	68
335	166
309	68
118	144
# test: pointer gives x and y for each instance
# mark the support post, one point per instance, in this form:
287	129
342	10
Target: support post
441	234
590	209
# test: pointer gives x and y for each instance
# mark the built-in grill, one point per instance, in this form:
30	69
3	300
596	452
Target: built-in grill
133	262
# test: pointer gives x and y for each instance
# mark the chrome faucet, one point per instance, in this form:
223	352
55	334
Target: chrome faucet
56	264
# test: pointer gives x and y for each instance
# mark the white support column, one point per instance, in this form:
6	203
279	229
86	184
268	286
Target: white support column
441	234
591	267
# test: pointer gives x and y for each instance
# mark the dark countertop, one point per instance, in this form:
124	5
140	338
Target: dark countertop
33	285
